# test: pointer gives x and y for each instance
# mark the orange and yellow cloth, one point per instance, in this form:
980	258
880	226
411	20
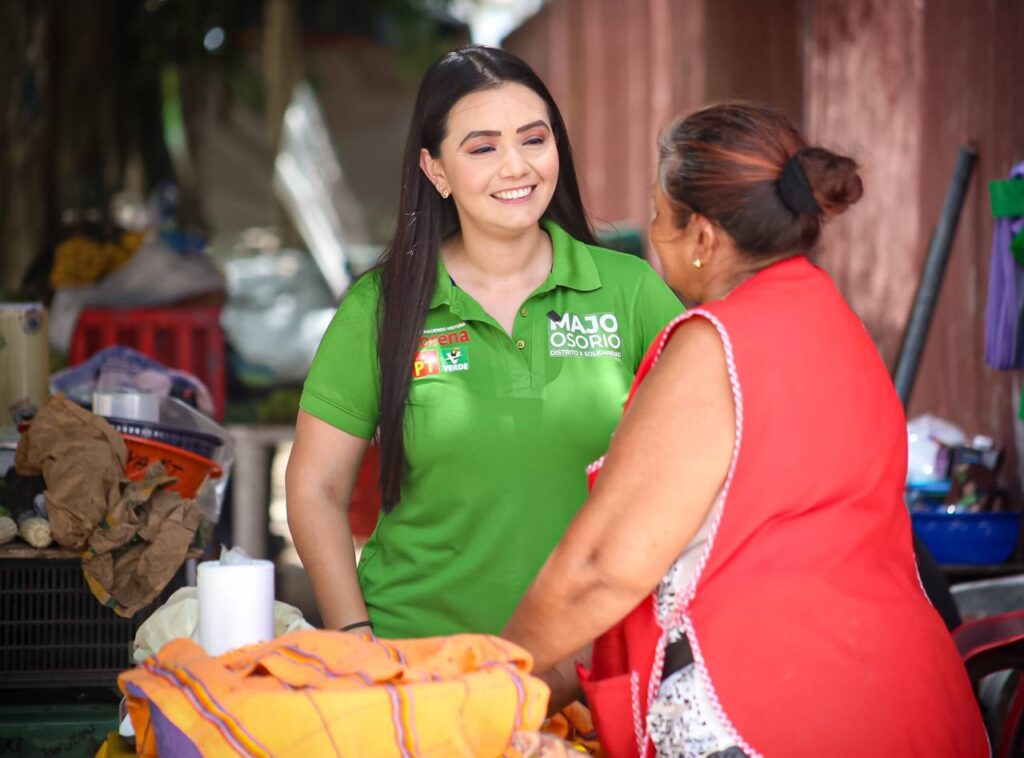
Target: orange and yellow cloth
329	693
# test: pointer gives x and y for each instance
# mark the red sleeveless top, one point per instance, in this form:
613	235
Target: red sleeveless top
809	626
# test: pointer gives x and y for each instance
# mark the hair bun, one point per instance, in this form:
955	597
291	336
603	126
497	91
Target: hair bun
833	179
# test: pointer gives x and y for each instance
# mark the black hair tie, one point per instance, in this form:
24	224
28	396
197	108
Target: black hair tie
356	625
796	190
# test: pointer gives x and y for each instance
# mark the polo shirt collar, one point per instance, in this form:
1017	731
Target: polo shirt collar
572	266
443	288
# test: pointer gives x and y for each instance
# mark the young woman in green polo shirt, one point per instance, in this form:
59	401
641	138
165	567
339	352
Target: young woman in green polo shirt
490	352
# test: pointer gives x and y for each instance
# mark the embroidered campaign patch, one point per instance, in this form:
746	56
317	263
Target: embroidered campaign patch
442	349
454	358
426	363
445	336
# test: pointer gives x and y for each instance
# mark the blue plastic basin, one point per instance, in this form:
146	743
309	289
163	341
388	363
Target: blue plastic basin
968	538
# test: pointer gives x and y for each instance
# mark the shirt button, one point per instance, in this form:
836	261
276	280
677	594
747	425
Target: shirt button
523	312
520	344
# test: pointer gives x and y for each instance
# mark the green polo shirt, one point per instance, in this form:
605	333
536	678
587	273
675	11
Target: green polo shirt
498	430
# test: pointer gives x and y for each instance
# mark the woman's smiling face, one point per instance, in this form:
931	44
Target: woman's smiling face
498	158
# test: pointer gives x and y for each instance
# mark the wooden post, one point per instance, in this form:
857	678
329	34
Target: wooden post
282	69
282	65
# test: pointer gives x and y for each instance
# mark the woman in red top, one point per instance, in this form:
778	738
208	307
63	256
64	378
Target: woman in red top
751	501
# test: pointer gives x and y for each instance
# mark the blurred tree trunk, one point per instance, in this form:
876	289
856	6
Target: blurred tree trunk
84	121
282	70
61	141
24	71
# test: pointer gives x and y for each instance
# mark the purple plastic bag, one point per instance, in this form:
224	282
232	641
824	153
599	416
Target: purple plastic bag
121	368
1004	316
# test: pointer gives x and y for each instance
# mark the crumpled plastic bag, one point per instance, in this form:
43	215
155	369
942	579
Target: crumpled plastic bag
925	435
155	275
540	745
141	545
180	415
82	459
122	368
277	311
179	617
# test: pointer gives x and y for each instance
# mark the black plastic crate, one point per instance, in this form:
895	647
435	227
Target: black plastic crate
54	632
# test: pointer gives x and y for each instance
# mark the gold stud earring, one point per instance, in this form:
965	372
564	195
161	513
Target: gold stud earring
697	263
445	193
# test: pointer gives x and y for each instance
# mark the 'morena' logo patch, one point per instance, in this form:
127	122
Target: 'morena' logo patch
444	340
426	363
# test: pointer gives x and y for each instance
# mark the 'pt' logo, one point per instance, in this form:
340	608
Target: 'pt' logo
425	363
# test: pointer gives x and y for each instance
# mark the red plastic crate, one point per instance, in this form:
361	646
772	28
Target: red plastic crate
187	339
364	507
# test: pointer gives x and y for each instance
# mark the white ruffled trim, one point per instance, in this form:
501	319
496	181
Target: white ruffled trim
680	615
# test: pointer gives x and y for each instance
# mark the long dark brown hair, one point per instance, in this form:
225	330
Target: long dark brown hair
409	263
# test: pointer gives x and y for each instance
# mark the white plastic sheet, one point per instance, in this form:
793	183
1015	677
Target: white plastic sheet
925	435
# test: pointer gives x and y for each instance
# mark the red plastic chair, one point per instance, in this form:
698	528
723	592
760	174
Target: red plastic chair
996	644
184	338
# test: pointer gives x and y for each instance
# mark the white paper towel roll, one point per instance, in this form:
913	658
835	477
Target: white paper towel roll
236	604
